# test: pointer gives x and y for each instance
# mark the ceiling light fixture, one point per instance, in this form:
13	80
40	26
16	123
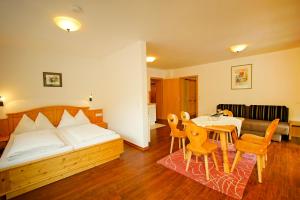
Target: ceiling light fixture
238	48
150	59
67	23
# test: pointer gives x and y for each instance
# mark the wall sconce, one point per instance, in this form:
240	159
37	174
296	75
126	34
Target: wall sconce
91	97
1	101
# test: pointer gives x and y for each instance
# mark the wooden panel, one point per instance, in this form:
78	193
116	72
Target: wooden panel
189	95
171	97
23	178
4	128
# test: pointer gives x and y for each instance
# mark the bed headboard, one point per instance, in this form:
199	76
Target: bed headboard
53	113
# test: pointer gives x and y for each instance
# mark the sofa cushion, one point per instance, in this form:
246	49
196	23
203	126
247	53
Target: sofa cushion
238	110
269	113
261	126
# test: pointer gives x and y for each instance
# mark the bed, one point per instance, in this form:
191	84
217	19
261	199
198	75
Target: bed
37	169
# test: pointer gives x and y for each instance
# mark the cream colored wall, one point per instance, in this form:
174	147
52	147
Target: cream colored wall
118	83
124	77
276	81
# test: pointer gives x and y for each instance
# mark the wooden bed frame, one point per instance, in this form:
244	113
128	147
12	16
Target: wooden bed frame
28	176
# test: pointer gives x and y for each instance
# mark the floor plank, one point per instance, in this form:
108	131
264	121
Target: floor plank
137	176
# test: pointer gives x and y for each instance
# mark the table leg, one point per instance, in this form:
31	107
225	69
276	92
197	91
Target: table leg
234	136
224	143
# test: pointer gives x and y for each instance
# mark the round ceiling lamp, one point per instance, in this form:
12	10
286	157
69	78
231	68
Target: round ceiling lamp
150	59
67	23
238	48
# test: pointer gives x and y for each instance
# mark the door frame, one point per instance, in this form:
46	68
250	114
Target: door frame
161	94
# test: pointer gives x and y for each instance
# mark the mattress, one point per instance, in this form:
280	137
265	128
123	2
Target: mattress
81	136
29	158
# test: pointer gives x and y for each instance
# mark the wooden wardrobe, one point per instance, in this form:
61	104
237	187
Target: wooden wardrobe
179	94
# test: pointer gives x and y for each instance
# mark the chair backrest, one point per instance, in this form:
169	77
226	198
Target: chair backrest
185	116
173	121
227	113
196	134
270	130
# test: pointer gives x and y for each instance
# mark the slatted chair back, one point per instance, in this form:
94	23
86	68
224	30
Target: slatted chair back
227	113
196	134
173	122
271	130
185	116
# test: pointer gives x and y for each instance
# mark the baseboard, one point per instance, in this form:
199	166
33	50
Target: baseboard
136	146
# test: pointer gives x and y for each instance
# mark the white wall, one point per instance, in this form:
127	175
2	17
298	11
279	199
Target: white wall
124	76
275	81
118	83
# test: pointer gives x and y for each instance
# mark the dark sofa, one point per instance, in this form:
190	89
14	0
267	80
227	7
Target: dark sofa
258	118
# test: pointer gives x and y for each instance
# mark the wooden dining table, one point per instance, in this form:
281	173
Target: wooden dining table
223	130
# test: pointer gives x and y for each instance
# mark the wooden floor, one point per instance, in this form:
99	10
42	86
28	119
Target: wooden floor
137	176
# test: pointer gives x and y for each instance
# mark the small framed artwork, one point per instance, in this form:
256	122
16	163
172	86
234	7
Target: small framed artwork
52	79
241	77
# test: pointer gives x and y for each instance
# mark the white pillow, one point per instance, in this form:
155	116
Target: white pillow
33	141
66	120
81	118
26	124
42	122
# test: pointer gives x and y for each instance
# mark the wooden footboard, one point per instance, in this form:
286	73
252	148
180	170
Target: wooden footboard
24	178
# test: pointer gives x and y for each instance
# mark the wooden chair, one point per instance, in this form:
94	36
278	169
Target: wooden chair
227	113
258	139
200	145
257	147
176	133
216	136
185	117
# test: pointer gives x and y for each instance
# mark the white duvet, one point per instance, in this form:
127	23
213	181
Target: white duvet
30	146
86	135
34	145
34	141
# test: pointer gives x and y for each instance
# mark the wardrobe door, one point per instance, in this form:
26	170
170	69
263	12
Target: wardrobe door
171	97
192	97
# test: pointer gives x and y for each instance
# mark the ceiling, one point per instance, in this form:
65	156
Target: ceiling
178	32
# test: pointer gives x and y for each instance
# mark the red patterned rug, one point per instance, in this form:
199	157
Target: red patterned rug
232	184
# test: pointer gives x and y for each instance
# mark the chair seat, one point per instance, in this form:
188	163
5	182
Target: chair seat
178	134
206	148
253	138
245	146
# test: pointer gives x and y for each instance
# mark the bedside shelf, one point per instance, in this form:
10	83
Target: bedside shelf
294	129
101	124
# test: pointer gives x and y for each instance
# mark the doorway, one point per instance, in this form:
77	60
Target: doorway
156	95
189	95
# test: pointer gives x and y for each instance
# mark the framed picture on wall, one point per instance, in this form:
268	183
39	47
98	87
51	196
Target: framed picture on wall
241	77
52	79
